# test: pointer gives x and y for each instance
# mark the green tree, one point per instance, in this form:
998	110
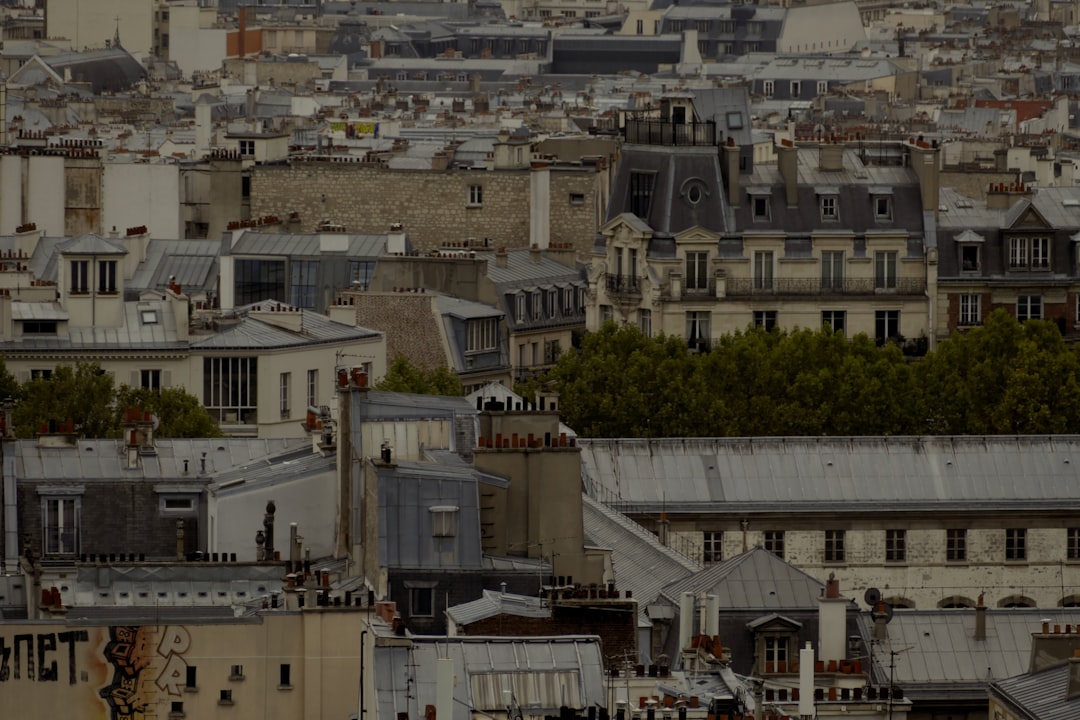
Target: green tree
404	376
179	413
1003	377
82	393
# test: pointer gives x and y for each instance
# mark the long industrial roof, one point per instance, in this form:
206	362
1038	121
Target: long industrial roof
826	474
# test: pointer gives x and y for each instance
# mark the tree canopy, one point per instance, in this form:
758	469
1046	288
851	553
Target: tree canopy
86	395
1003	377
404	376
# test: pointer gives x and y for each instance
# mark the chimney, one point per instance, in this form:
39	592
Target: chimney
980	619
830	156
806	681
832	622
1002	196
881	618
788	162
240	41
731	172
501	257
534	253
444	688
268	528
395	239
924	161
686	620
712	616
1074	676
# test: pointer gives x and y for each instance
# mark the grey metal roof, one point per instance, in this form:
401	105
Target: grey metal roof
93	460
132	334
568	670
37	311
494	603
640	562
465	309
815	474
141	591
942	652
254	334
753	580
252	242
1043	695
1054	204
524	270
286	466
192	263
91	244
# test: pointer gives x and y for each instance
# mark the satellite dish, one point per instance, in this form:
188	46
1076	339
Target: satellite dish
872	596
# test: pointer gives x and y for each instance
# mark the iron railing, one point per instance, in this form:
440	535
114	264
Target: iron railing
824	286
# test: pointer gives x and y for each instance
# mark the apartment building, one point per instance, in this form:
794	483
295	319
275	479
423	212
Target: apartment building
701	241
932	522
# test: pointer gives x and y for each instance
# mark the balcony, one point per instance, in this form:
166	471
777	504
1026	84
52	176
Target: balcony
739	287
622	284
665	132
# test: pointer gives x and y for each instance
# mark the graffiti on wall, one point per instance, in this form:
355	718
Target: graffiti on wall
34	656
145	661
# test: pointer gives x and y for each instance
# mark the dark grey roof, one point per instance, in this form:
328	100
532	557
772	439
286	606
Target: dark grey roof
1042	695
825	474
131	334
287	466
107	69
670	212
753	580
525	270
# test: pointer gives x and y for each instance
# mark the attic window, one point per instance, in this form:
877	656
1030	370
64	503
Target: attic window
734	120
149	317
444	520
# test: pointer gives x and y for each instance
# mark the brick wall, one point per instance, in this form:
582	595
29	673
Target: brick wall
409	322
616	627
432	206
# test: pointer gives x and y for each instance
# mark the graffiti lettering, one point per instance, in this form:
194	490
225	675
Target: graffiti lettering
174	642
12	651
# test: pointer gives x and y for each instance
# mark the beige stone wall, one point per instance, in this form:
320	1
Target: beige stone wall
96	672
925	578
433	206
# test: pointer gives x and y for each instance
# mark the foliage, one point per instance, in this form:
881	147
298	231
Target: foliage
404	376
87	395
1001	378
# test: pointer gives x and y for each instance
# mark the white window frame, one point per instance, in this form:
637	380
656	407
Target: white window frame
567	301
645	322
285	393
444	520
1029	307
537	305
519	307
697	270
882	207
312	388
830	207
476	196
712	547
764	270
828	317
822	87
970	310
482	335
66	539
832	269
768	87
885	266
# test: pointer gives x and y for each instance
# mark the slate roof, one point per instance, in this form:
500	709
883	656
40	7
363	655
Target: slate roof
829	474
753	580
1042	695
568	670
91	244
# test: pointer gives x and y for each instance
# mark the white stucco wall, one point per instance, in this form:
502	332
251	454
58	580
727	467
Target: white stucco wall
143	194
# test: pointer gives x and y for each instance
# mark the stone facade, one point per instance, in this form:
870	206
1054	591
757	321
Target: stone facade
437	208
925	578
410	323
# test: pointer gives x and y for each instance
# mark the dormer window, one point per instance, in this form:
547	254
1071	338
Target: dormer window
829	207
969	258
1029	253
882	207
641	190
520	307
